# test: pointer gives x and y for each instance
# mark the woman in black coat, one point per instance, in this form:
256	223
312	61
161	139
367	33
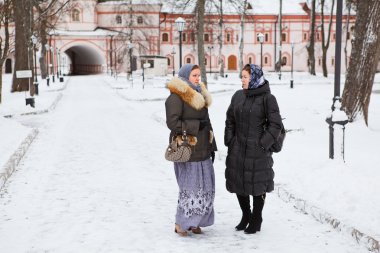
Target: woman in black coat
249	134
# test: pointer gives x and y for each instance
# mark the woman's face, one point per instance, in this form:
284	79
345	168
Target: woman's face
245	77
195	76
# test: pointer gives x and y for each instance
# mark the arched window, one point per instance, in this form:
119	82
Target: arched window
140	20
284	60
188	60
75	15
168	61
250	60
118	19
228	37
266	61
165	37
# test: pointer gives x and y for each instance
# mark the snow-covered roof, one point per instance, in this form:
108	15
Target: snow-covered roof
133	2
96	32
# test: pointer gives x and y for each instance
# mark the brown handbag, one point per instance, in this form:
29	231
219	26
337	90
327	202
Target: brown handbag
179	149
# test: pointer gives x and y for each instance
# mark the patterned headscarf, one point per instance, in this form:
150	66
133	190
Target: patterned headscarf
257	77
184	74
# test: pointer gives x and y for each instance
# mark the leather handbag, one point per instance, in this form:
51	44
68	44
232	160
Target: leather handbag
179	149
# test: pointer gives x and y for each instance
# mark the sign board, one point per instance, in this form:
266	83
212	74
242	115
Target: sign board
50	65
23	74
146	65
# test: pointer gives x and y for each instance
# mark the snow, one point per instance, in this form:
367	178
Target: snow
95	180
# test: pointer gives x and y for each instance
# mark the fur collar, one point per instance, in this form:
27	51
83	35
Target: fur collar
188	95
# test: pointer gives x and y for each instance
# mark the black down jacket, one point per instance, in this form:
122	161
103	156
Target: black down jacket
249	163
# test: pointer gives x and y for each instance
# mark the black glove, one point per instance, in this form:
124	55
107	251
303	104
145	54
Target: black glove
203	124
212	156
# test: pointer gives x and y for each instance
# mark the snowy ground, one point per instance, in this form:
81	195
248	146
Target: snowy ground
95	180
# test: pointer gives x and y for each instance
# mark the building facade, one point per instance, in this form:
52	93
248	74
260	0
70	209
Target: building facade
111	36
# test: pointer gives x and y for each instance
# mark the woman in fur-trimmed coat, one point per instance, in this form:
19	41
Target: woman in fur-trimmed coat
186	109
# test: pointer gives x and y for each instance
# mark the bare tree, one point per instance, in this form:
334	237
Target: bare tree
325	44
5	16
243	9
348	6
311	43
22	10
200	12
364	59
220	39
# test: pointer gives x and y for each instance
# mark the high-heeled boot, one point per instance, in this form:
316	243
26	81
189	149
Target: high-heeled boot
246	210
256	219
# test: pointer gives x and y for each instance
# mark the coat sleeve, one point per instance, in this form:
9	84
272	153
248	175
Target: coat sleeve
274	123
229	130
213	144
173	106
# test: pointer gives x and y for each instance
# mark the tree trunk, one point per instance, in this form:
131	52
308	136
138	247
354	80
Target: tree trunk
22	19
220	40
310	46
200	32
364	59
241	43
326	44
43	37
4	51
347	30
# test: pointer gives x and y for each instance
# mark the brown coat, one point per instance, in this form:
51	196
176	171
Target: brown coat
185	109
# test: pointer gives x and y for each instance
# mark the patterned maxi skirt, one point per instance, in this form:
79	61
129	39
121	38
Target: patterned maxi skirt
196	181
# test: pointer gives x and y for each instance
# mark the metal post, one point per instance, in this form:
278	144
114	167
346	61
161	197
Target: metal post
52	61
180	49
173	53
338	41
47	63
261	55
291	79
57	61
35	69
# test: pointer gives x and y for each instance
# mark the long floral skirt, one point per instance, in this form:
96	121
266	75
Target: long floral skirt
196	181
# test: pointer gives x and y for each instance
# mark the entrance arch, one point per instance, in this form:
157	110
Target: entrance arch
82	58
232	62
8	66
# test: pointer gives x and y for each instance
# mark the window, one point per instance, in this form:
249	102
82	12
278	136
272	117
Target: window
250	60
140	20
334	36
228	37
205	61
266	60
332	62
118	19
206	37
304	36
184	37
266	37
165	37
283	37
319	62
168	61
284	61
75	15
188	60
237	37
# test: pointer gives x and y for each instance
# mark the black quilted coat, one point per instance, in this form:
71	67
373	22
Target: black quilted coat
249	163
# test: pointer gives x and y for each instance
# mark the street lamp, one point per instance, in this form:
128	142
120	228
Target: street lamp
61	79
52	61
333	119
47	63
180	22
280	60
173	53
57	60
210	48
260	36
34	41
130	47
291	78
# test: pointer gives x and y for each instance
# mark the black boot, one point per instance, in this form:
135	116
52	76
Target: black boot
246	210
256	219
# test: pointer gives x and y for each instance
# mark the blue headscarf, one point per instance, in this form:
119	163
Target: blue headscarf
257	77
184	74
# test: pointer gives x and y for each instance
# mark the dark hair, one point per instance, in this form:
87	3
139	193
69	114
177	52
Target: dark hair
194	67
247	68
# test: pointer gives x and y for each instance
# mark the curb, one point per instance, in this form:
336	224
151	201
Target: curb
323	217
15	159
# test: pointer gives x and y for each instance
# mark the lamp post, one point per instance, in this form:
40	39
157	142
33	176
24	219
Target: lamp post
280	60
61	79
180	22
34	41
47	63
130	47
210	48
337	99
291	76
52	61
57	61
173	53
260	37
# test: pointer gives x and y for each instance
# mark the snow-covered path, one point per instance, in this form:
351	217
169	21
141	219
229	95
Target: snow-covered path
95	180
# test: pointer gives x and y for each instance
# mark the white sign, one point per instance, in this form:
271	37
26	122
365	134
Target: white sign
50	65
23	74
146	65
